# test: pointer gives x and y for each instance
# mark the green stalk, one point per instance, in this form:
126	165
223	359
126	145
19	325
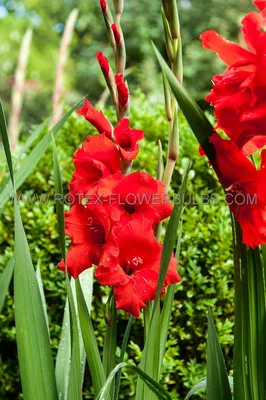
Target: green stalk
242	390
109	350
250	322
174	52
257	324
122	355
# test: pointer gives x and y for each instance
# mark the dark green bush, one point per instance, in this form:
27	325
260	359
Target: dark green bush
205	262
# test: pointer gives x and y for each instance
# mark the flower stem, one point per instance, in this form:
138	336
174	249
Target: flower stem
122	355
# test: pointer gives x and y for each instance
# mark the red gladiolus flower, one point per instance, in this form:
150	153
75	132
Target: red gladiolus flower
122	90
97	159
88	228
116	32
104	64
103	5
245	189
133	270
134	196
96	118
239	94
127	139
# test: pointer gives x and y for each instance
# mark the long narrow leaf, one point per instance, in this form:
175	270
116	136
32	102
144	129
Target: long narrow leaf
168	304
154	386
122	355
34	350
34	136
257	325
202	384
63	357
4	136
39	280
242	389
75	373
109	349
5	279
217	379
90	342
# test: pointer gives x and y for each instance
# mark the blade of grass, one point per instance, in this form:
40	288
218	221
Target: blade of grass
5	279
217	379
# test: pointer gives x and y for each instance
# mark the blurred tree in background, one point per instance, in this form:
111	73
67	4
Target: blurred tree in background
141	23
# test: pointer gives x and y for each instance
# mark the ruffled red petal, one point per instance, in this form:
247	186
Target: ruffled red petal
96	118
127	139
78	259
229	52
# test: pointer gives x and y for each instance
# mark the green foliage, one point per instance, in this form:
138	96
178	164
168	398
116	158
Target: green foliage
205	261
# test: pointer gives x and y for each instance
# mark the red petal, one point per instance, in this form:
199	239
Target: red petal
78	260
96	118
88	225
109	272
127	299
252	29
122	90
104	64
116	32
103	5
127	139
229	52
253	224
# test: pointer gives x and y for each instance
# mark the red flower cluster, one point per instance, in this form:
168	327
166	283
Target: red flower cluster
238	96
112	221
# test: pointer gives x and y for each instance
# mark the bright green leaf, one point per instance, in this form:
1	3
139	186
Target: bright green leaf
154	386
202	384
217	379
5	279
